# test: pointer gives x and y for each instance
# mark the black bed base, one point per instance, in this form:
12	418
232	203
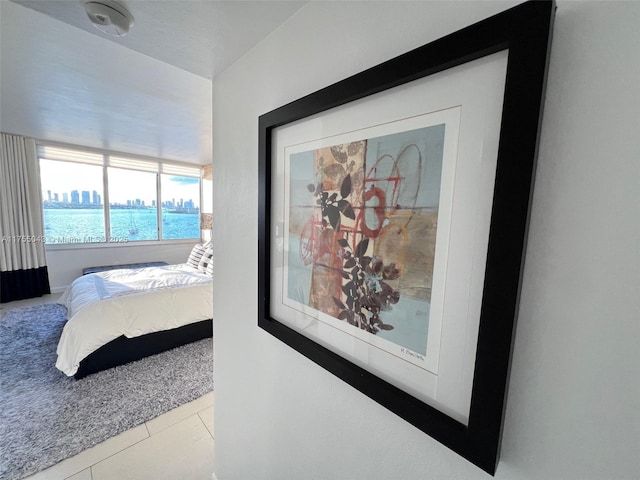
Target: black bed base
124	350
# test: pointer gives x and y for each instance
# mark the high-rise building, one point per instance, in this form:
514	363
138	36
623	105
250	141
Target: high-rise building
55	197
86	197
75	197
95	198
49	194
65	197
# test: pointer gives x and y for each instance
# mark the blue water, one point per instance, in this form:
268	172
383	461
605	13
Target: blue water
69	225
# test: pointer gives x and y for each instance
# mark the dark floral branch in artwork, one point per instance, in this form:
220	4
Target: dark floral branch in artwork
330	206
367	292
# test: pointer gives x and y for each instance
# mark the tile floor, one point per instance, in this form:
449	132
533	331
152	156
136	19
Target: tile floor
176	445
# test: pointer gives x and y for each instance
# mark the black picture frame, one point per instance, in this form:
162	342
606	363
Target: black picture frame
525	31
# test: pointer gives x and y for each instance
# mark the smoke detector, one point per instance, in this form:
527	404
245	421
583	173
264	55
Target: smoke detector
109	17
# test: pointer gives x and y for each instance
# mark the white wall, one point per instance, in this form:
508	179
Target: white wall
572	411
66	265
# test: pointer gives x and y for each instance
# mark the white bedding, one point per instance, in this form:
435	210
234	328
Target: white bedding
103	306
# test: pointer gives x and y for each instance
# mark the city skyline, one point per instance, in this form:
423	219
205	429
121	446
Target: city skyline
123	185
93	199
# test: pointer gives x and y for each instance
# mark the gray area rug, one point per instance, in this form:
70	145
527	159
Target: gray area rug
46	416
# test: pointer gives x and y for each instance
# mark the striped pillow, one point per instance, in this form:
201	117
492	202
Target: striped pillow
210	268
196	255
206	260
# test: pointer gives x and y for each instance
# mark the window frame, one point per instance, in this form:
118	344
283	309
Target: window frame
160	165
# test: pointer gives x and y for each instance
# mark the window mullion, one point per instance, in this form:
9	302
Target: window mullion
159	205
105	195
201	192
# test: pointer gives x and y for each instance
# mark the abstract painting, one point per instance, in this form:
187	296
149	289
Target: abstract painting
362	229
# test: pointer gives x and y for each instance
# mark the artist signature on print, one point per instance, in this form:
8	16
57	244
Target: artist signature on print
411	353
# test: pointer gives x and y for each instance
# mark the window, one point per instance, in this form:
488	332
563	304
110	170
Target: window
132	204
73	202
146	199
180	210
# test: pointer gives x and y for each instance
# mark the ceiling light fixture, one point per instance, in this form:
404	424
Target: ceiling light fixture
109	17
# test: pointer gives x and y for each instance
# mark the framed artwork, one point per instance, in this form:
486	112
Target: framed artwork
392	224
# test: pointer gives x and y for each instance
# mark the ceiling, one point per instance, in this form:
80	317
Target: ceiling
200	36
148	93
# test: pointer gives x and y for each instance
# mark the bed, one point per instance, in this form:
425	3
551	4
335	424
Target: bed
118	316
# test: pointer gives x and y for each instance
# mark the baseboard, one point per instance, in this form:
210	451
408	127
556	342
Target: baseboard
58	289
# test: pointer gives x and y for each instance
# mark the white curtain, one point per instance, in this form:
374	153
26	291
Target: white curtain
22	245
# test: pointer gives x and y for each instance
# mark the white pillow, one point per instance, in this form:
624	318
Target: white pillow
196	255
206	260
